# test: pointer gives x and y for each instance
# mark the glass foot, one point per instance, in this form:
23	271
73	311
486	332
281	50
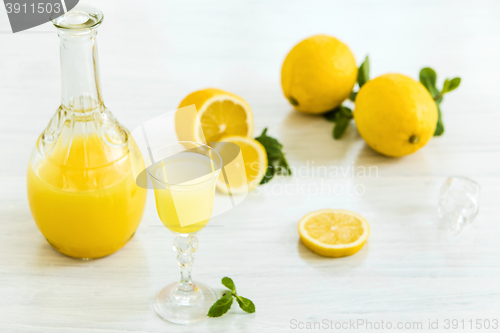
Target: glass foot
179	307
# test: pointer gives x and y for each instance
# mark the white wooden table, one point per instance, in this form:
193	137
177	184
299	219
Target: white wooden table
152	54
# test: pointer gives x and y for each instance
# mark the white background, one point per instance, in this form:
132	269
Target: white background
152	54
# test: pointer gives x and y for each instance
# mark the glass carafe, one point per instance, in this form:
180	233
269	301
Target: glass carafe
81	185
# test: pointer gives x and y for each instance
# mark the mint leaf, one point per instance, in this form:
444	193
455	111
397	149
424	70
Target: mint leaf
341	116
345	112
340	127
268	175
337	113
334	114
428	78
363	77
283	168
440	126
450	85
429	75
364	73
277	163
272	146
446	86
221	306
245	304
331	115
454	83
229	284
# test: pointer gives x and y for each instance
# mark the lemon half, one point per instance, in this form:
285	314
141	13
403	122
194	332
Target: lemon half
255	166
221	114
334	232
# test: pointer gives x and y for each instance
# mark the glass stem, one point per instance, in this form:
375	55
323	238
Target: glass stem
185	245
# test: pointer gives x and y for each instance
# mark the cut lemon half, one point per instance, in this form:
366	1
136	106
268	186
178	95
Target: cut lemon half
221	114
334	232
252	169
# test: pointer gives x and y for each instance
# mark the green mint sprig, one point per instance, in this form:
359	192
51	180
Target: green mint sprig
428	78
277	163
342	115
363	77
223	304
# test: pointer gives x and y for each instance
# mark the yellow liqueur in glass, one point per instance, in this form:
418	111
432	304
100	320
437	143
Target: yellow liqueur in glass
190	202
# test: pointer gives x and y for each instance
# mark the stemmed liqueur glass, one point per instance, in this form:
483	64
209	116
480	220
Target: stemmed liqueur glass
184	176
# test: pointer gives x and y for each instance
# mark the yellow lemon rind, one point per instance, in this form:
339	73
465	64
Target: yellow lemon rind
221	186
332	250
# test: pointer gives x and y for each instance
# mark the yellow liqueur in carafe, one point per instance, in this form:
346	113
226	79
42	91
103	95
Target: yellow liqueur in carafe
81	175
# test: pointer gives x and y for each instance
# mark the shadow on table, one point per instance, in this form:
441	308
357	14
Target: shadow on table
368	157
112	290
333	265
416	164
309	138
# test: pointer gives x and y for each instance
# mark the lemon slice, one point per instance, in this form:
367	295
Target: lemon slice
333	232
254	164
221	114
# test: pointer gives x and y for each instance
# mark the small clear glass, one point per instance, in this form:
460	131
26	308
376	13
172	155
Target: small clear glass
184	177
458	203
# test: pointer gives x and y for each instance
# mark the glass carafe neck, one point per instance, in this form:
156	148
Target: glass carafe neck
81	89
77	29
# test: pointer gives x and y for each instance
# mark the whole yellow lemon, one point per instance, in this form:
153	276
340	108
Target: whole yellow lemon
395	114
318	74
